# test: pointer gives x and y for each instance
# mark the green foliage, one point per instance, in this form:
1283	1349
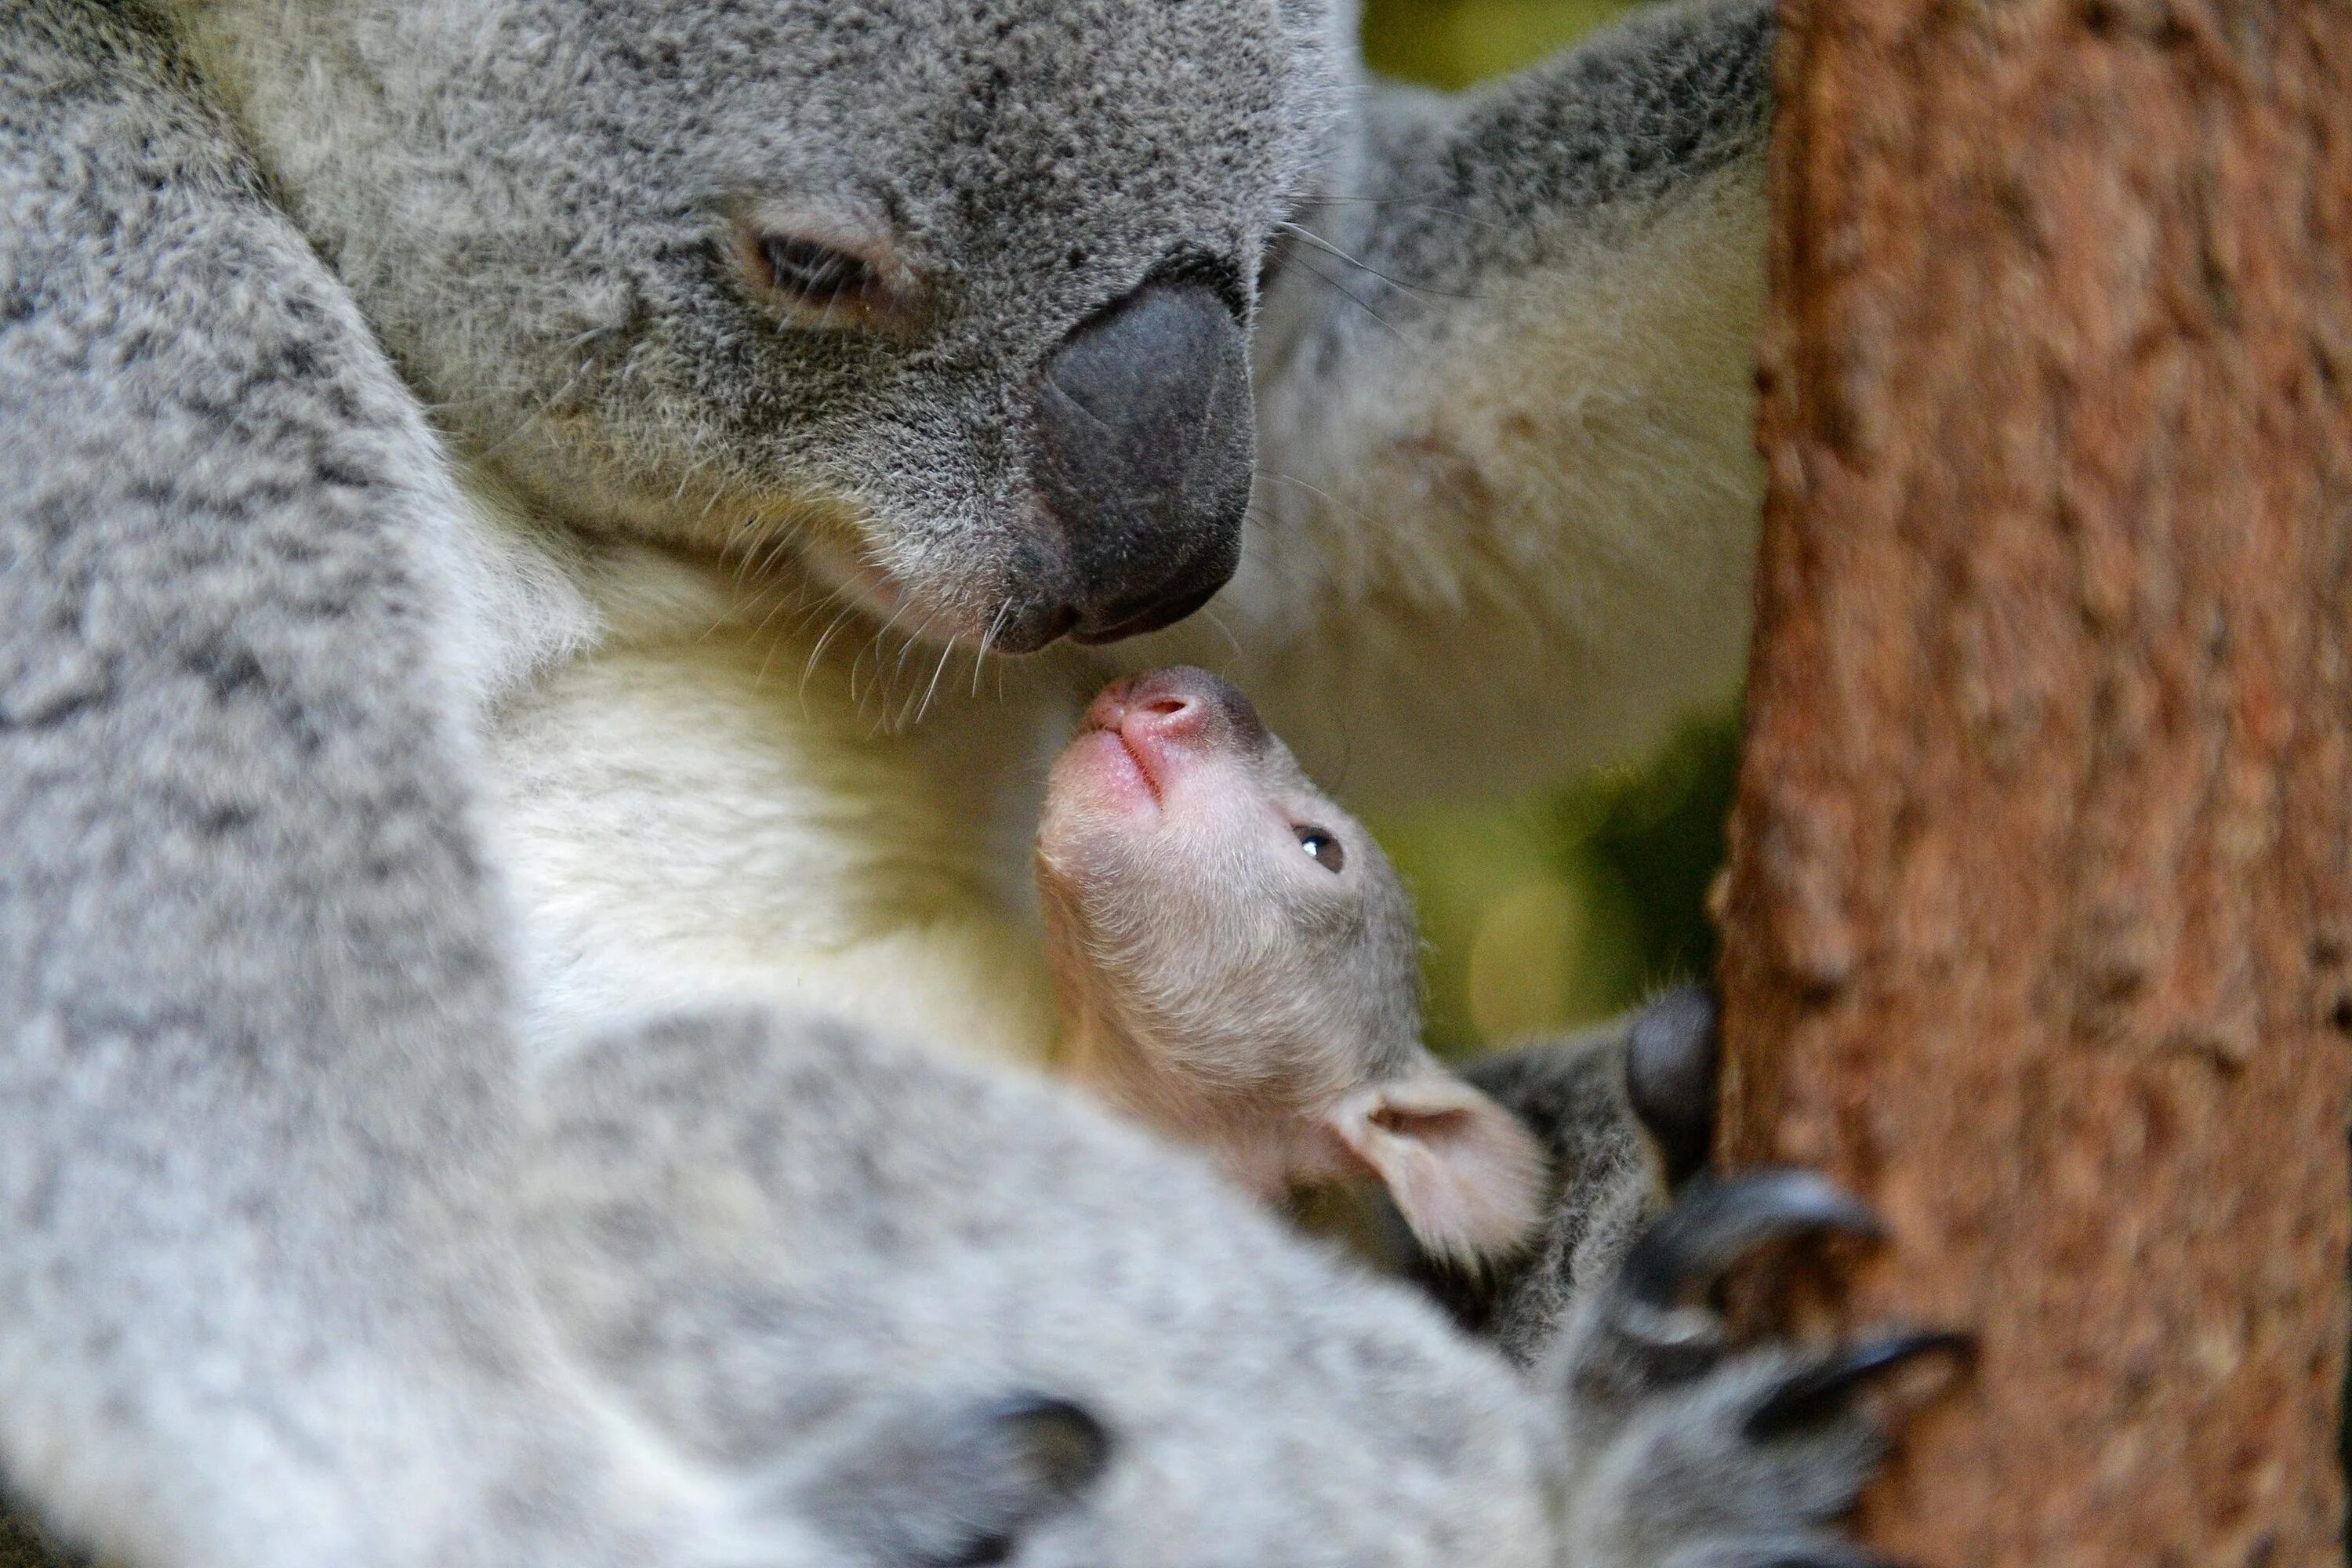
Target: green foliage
1570	905
1452	43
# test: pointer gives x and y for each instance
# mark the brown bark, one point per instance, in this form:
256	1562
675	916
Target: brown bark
2039	921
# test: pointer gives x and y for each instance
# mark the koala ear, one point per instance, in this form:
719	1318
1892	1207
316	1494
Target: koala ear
1673	1051
1465	1175
942	1483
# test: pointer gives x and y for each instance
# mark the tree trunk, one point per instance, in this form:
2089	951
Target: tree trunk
2039	919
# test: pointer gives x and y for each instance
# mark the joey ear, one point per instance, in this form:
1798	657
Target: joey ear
1672	1054
953	1484
1463	1172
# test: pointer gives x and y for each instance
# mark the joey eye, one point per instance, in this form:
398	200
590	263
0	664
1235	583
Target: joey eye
1321	847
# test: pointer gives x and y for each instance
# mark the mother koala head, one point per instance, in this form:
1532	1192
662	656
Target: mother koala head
949	298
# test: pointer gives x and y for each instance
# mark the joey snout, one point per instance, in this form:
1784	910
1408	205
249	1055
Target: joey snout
1153	750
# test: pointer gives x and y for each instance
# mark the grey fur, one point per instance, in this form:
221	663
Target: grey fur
565	295
775	1257
258	1119
295	1267
1609	1174
1424	371
1571	1095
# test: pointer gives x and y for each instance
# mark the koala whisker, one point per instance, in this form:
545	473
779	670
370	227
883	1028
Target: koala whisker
1261	554
1329	199
937	670
913	638
887	722
1357	513
874	648
875	645
795	599
824	638
1358	299
765	553
1225	632
1320	243
994	625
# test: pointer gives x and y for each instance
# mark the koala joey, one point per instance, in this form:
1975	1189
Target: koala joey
1239	966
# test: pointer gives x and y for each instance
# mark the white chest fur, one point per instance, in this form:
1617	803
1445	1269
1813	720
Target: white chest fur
700	806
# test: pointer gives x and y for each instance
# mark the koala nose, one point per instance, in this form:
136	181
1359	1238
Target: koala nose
1145	442
1180	705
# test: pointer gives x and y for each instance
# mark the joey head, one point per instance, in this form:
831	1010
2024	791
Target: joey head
1237	966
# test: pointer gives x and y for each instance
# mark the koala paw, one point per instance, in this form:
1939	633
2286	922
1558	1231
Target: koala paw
1688	1452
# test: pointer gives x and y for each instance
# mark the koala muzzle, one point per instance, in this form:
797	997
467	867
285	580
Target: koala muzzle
1144	447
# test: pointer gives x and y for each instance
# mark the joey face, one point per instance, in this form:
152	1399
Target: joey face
1208	901
1239	964
947	298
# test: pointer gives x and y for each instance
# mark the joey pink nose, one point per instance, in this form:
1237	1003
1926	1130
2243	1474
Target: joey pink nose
1180	705
1108	709
1164	716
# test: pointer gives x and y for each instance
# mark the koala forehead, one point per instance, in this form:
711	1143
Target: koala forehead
1098	133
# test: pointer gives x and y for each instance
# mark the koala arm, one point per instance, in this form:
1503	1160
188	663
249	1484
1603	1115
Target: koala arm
259	1303
933	1309
1508	491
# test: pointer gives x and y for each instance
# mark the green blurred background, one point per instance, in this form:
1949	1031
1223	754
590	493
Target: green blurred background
1568	906
1452	43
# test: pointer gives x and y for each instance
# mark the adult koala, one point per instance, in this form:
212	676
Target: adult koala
796	353
935	310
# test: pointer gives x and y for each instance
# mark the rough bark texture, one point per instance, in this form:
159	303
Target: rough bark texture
2039	922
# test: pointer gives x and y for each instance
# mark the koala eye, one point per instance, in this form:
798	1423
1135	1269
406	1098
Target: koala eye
817	276
1321	847
849	278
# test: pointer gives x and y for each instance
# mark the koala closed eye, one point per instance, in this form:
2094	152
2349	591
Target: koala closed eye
822	281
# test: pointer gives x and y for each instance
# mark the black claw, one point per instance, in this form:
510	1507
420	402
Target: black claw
1672	1054
1823	1389
1715	1223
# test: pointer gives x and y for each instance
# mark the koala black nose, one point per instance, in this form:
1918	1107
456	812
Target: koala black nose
1145	445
